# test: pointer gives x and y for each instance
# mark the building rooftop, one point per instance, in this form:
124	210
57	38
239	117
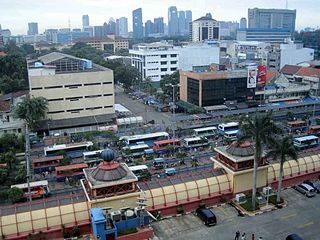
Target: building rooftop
308	72
216	74
290	69
205	18
5	106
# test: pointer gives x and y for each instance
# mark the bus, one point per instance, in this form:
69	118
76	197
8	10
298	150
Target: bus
314	130
44	164
208	132
224	127
75	170
73	150
38	189
162	146
92	154
230	136
148	138
306	142
141	172
159	163
297	126
137	150
194	142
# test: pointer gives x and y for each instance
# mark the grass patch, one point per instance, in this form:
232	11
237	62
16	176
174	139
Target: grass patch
273	200
248	206
127	231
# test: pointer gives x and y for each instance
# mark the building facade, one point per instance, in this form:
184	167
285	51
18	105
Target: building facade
137	24
148	28
264	35
154	60
214	88
188	20
173	21
33	28
85	21
74	87
243	23
122	25
110	43
182	23
204	28
159	25
272	19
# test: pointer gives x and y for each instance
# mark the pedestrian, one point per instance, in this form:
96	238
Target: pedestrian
243	237
252	236
237	237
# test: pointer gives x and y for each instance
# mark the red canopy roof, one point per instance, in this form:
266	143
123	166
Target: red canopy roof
70	167
45	159
173	140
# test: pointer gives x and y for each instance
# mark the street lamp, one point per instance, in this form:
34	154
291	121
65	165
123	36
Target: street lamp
174	107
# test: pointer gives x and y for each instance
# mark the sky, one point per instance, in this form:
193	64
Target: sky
15	14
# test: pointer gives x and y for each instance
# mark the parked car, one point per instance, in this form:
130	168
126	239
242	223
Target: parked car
314	184
306	190
207	216
293	237
170	171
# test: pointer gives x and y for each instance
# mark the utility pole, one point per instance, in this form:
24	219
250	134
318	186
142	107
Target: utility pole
28	161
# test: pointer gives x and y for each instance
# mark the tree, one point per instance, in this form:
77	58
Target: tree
281	149
168	80
3	175
127	75
258	128
10	159
32	110
9	141
15	194
8	84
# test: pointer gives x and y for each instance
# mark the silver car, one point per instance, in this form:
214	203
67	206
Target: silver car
306	189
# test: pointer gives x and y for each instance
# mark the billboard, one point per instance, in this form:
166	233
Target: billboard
252	77
262	76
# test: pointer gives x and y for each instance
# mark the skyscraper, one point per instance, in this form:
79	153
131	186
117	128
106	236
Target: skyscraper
137	24
272	19
188	20
32	28
182	23
173	21
158	25
85	21
148	28
111	28
243	23
122	27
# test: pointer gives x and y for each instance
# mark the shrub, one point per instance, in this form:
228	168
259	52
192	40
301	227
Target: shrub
180	209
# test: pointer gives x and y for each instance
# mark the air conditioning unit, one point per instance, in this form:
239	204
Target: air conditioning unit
267	190
241	197
116	216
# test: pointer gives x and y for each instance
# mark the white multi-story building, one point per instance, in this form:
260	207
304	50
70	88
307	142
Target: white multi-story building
154	60
204	28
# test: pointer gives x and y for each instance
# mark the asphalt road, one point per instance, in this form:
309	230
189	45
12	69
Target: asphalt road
301	216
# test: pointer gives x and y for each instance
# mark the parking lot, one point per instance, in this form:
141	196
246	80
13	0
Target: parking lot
301	216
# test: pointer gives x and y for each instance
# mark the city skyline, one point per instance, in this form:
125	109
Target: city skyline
51	15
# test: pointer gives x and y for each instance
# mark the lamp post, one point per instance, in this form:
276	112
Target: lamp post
174	108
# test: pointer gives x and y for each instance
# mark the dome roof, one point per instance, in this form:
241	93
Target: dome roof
243	149
107	155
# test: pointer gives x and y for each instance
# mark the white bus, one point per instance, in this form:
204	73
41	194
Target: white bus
230	136
208	132
194	142
137	150
224	127
148	138
38	189
92	154
306	142
72	149
140	171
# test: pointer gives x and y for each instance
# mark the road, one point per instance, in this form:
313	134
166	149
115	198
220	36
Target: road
301	216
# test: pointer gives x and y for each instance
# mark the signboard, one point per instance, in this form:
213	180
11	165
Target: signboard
262	76
252	77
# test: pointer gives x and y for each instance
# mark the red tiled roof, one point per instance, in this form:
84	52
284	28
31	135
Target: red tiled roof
9	96
5	106
167	141
290	69
309	72
70	167
44	159
271	74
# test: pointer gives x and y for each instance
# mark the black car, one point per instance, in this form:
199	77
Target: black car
207	216
293	237
315	185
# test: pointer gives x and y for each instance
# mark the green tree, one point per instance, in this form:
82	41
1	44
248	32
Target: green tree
258	128
3	174
15	194
8	141
168	80
21	175
10	159
281	149
27	49
8	84
127	75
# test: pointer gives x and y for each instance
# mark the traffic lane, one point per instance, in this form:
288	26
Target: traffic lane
300	216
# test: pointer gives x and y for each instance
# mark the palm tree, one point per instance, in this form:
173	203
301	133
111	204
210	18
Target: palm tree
258	128
281	149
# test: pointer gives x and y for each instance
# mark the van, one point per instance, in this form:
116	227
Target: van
306	189
293	237
159	163
207	216
170	171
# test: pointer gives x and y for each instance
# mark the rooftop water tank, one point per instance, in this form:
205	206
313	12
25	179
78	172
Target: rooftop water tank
38	64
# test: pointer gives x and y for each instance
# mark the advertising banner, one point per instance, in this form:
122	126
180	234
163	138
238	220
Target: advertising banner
252	77
262	76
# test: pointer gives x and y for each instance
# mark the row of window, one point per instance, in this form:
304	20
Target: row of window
80	97
166	69
72	86
171	55
78	110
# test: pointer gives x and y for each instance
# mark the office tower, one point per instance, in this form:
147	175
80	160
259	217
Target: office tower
148	28
111	27
158	25
32	28
137	23
52	35
122	27
272	19
98	31
188	20
89	29
173	21
85	21
204	28
182	22
243	23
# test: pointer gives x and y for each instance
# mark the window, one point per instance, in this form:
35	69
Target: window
54	112
93	108
93	96
36	88
173	69
173	62
107	95
163	56
164	63
73	86
19	130
173	55
91	84
74	98
163	69
110	106
107	82
55	99
52	87
75	110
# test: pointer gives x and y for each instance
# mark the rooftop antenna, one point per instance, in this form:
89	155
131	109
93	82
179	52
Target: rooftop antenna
286	4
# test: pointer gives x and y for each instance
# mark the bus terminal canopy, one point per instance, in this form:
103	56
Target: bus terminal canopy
121	109
129	120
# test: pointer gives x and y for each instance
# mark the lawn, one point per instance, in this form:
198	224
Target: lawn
273	200
248	206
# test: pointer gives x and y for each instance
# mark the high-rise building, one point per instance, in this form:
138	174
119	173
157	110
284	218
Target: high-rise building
148	28
272	19
137	24
1	42
88	29
85	21
158	25
98	31
188	20
243	23
173	21
204	28
32	28
111	27
182	22
52	35
122	27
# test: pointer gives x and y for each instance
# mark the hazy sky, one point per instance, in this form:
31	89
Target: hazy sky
15	14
